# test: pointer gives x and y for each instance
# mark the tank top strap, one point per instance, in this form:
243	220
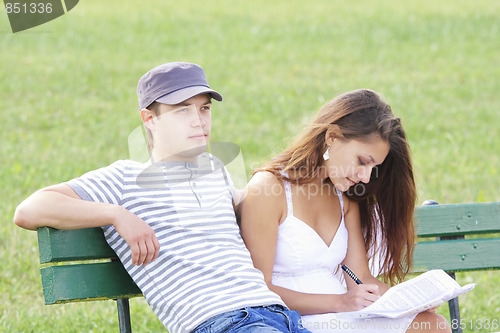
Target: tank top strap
341	200
288	195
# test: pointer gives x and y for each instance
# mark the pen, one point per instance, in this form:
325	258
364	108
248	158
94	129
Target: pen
351	274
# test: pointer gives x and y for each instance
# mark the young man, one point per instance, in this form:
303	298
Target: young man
171	220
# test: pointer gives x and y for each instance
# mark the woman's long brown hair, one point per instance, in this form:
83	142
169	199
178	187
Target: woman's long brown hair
390	195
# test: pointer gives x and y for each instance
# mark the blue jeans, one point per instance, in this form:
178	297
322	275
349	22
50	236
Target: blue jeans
273	318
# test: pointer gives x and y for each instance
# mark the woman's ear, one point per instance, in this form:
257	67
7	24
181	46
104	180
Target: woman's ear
331	134
148	118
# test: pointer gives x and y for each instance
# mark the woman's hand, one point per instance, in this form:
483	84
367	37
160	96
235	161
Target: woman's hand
359	297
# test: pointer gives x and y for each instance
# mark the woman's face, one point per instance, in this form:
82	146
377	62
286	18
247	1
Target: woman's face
352	161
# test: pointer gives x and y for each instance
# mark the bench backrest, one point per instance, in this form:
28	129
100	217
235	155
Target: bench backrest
79	265
448	240
462	237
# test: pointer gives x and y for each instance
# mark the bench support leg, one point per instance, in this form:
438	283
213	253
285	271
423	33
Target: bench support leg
124	315
454	312
452	303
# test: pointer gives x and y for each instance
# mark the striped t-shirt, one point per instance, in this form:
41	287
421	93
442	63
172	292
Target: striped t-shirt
204	268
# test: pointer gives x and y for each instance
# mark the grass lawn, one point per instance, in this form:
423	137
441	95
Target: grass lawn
68	105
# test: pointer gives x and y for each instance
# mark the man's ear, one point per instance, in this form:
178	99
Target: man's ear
148	118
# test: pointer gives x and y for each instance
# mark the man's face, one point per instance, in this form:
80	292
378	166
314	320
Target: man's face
181	132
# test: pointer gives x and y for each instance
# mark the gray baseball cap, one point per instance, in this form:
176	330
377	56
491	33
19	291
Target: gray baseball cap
173	83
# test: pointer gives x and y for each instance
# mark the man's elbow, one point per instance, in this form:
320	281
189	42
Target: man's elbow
22	218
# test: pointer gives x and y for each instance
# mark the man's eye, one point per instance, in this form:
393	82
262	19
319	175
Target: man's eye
205	108
361	162
183	110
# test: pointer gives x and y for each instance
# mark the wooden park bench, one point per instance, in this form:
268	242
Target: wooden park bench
80	266
452	238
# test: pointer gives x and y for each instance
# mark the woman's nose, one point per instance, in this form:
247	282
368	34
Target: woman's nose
365	174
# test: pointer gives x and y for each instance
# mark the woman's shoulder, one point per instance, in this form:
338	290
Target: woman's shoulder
264	198
265	177
267	183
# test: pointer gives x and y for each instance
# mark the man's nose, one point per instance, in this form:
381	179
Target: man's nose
198	120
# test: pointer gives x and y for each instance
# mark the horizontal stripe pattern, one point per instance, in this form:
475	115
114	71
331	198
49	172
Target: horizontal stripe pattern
204	268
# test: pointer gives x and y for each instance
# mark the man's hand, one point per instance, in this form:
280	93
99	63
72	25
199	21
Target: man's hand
139	236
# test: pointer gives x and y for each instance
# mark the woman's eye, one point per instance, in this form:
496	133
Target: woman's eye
361	162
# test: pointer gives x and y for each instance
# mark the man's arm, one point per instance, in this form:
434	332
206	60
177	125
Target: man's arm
58	206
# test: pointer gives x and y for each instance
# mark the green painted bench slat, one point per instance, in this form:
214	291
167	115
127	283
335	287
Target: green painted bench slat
457	219
457	255
458	243
69	245
87	282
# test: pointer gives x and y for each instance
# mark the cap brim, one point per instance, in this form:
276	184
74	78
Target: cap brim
182	95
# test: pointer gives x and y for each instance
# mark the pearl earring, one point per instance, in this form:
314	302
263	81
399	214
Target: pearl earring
326	155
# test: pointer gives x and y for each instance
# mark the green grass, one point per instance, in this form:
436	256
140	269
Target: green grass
68	104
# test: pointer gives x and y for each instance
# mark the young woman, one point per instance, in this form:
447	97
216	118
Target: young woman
342	187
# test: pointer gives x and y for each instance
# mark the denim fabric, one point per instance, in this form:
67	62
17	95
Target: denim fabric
273	318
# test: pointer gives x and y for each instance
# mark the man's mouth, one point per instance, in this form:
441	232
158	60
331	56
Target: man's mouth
199	136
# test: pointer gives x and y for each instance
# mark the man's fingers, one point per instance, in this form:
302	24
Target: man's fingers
156	244
134	248
153	249
150	252
144	245
142	253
